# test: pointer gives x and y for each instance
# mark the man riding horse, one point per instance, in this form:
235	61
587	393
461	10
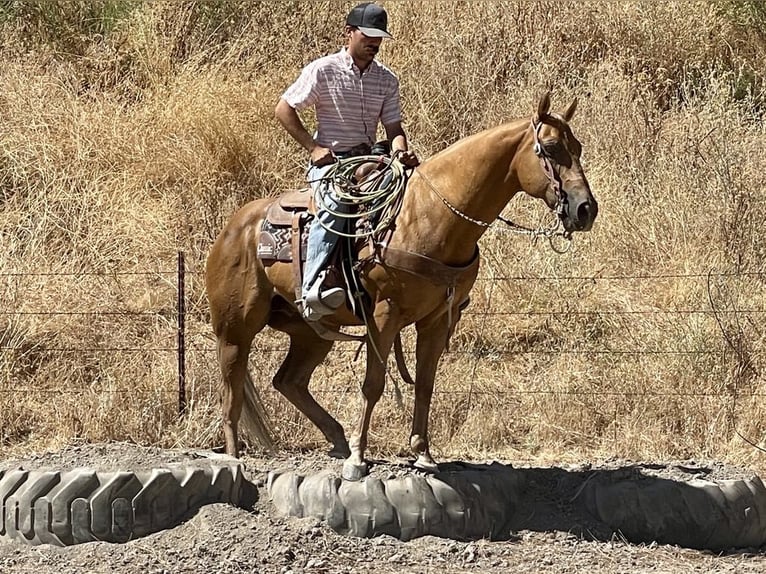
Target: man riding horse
418	265
351	94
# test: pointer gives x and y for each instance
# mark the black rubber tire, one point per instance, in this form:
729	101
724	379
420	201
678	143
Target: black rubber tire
697	514
475	504
450	506
82	505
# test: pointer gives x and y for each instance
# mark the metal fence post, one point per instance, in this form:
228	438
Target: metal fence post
180	335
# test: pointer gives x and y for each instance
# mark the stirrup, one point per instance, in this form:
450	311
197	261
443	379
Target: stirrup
330	299
313	315
316	304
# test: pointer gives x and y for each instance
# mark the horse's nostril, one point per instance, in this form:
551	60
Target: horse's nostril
586	212
583	213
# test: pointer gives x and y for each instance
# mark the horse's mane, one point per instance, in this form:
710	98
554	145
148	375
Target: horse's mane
470	139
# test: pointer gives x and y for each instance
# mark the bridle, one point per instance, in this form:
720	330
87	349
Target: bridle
552	231
551	174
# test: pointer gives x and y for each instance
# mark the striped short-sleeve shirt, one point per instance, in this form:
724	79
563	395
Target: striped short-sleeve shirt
348	104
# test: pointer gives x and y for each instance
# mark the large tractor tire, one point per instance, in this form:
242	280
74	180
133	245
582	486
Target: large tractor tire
484	503
82	505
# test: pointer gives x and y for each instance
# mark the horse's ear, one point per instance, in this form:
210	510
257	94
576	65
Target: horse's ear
543	106
570	110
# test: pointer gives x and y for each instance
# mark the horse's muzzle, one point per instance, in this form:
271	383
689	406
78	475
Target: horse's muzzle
580	212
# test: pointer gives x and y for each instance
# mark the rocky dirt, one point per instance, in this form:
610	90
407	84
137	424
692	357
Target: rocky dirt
222	539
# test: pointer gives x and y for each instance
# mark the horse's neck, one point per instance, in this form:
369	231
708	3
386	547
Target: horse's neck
458	190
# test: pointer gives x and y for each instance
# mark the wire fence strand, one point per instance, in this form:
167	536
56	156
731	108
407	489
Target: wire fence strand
476	352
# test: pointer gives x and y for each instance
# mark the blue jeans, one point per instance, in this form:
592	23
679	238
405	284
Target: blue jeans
322	241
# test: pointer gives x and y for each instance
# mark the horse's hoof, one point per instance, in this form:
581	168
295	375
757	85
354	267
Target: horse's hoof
354	472
342	452
427	464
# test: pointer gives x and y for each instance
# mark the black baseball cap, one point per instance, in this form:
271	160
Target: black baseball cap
371	20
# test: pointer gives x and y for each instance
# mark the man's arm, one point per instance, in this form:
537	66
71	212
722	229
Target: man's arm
397	137
289	118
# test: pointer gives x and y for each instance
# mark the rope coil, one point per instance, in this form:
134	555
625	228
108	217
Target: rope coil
372	199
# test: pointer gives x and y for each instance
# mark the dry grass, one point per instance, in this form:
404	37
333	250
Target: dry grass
132	130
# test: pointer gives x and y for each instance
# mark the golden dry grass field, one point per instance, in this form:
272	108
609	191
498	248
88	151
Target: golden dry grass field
131	130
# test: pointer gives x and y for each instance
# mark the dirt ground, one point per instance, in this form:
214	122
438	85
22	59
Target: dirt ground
222	539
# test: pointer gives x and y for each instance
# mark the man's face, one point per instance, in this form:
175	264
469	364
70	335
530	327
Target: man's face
362	48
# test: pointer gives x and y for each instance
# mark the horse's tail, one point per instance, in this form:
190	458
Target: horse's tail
401	362
254	419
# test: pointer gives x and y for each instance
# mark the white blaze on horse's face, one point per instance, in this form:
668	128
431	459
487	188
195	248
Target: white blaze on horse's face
566	190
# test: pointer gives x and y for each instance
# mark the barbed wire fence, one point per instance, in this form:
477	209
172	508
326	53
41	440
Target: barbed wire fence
176	325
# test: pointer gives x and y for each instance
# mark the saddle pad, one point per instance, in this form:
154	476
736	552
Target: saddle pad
274	242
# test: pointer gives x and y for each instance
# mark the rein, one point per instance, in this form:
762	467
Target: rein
454	209
550	232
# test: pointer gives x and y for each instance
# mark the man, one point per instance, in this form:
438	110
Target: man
351	94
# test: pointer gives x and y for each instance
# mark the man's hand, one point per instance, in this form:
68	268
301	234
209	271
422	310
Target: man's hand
321	156
407	158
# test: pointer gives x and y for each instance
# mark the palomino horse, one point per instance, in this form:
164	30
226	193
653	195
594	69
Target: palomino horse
421	273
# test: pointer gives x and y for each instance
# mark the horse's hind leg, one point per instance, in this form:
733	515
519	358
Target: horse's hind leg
232	358
307	350
240	303
235	336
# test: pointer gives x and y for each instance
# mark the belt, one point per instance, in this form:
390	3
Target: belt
361	149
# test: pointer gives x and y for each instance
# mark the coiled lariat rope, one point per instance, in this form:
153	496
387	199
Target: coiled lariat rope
374	202
368	201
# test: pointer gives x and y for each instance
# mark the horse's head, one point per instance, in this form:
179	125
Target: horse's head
551	167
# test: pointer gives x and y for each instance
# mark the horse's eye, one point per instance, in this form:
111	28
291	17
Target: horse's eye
557	152
553	148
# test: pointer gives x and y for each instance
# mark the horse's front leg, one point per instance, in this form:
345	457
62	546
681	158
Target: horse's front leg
380	337
431	342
